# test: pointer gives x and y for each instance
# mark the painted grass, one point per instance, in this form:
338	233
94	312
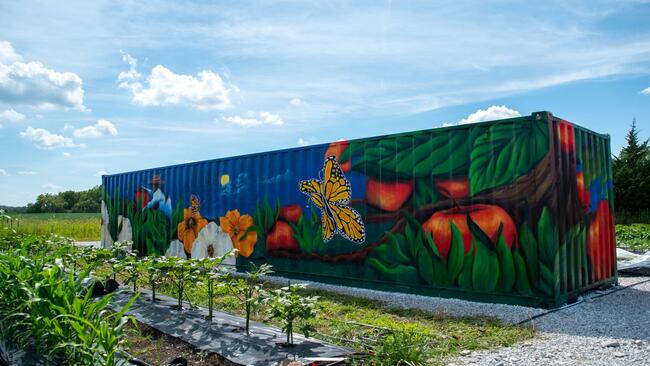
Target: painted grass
79	226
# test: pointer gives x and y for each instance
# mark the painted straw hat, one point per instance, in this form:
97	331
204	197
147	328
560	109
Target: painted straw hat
156	180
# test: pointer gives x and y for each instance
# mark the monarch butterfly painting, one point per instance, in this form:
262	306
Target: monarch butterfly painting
332	195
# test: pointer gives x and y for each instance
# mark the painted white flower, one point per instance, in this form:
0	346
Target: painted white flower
107	240
213	242
176	250
126	234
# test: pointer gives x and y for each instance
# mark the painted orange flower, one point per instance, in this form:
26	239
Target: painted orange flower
191	225
236	225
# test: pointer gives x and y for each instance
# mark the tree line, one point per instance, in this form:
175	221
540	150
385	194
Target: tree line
68	201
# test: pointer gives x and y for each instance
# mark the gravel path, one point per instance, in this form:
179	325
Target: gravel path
610	330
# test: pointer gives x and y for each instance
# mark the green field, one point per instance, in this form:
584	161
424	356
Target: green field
79	226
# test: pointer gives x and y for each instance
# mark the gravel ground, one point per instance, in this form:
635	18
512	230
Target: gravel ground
610	330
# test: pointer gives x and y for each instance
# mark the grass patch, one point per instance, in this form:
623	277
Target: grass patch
635	237
78	226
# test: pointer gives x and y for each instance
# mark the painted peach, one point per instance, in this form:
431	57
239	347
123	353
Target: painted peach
389	196
453	188
281	237
291	213
336	149
487	217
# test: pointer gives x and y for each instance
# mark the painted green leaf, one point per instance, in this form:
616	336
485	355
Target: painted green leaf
521	284
424	192
505	152
456	255
506	266
528	247
485	274
431	268
546	280
546	236
391	252
465	276
400	273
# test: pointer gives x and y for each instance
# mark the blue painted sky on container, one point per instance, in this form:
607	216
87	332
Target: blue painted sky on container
230	78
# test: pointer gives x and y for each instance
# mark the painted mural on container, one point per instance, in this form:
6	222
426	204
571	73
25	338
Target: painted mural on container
519	207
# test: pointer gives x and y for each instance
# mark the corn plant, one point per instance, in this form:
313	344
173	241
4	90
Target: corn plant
248	290
287	305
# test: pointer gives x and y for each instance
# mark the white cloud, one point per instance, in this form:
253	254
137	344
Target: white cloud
67	126
66	153
295	101
101	128
205	91
44	139
3	172
262	118
100	173
302	142
7	53
491	113
50	187
11	116
27	172
646	91
33	84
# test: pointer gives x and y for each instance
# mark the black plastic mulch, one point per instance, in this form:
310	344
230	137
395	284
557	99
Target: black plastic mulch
224	334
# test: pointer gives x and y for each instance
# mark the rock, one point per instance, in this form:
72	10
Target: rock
178	361
619	354
111	285
638	342
611	344
465	352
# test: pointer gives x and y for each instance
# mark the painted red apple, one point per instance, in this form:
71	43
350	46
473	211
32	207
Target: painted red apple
566	136
389	196
281	237
336	149
453	188
599	241
487	217
291	213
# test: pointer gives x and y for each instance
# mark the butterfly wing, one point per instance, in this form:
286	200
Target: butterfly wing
348	223
329	227
336	186
313	188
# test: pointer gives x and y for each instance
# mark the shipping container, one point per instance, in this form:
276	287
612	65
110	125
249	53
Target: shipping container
517	211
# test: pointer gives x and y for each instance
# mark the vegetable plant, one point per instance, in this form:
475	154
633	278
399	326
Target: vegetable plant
181	272
211	272
248	290
289	306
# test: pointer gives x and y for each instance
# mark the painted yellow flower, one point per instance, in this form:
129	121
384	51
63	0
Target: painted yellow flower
191	225
236	225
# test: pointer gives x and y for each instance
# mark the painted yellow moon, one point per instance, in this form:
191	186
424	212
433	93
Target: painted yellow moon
225	179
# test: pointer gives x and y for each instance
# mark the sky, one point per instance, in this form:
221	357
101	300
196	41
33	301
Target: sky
95	87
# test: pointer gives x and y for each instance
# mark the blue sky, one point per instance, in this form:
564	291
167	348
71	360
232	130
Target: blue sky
92	87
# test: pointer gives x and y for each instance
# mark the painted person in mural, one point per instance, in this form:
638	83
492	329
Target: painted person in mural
159	200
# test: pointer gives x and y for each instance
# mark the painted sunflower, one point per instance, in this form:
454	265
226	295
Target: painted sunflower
236	225
191	225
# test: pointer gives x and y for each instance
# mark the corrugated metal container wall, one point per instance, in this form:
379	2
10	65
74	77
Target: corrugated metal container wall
516	211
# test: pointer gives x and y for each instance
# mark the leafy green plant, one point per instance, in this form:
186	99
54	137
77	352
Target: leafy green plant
308	232
634	237
289	306
153	267
401	347
181	272
211	272
264	217
248	290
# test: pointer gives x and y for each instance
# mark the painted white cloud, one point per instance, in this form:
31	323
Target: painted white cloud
3	172
302	142
44	139
11	116
646	91
491	113
101	128
33	84
100	173
259	119
205	91
295	101
27	172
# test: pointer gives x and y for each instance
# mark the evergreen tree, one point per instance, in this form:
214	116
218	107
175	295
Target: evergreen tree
631	170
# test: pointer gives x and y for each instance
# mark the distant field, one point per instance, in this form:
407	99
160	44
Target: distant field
79	226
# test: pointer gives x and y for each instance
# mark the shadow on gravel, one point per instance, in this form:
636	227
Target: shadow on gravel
624	314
